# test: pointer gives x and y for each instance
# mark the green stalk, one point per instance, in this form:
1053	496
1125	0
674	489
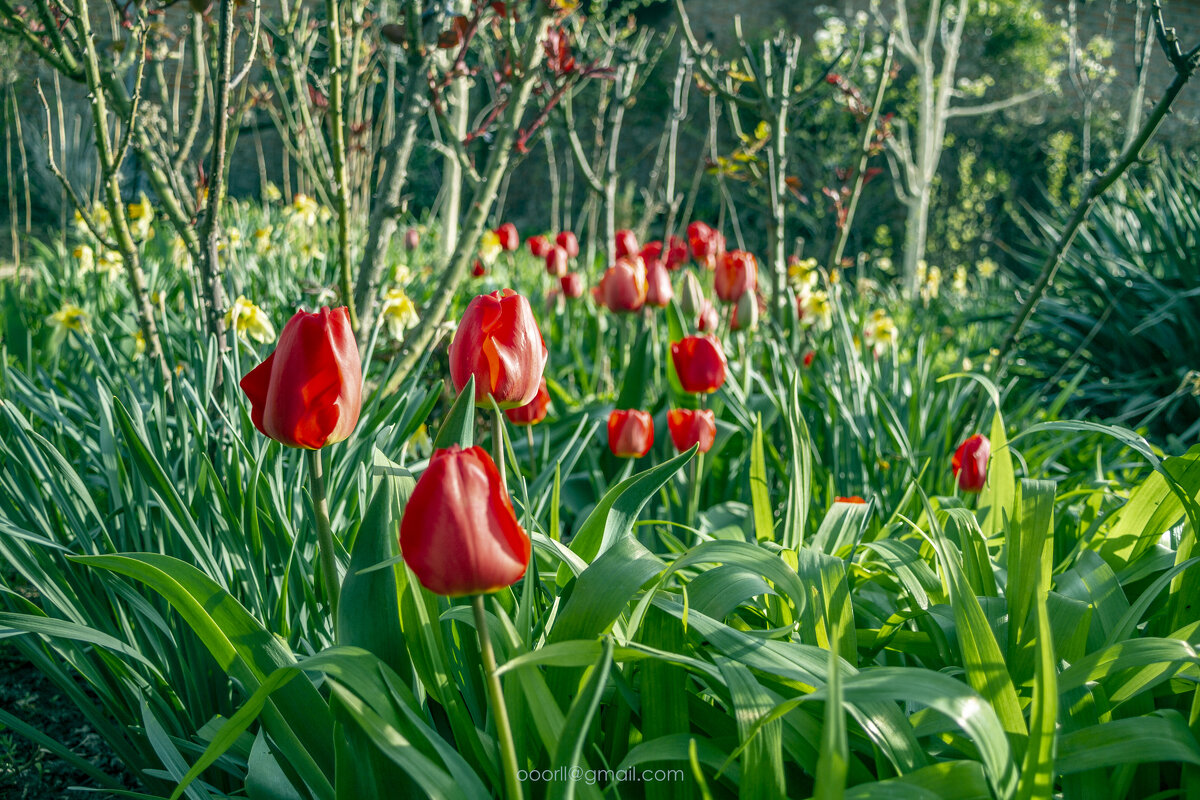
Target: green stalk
694	490
324	534
508	750
498	444
337	130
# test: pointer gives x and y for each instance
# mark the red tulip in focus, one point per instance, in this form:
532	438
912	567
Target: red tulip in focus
626	244
691	427
970	463
572	285
658	284
706	243
539	246
567	241
736	273
411	239
534	411
459	533
478	271
308	393
623	287
700	363
630	433
498	342
556	261
510	240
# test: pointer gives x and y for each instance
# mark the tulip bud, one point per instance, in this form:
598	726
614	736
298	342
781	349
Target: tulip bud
700	364
691	297
626	243
411	239
498	342
630	433
509	239
970	463
556	261
623	286
707	320
652	251
534	411
677	253
658	284
539	246
478	271
567	241
852	499
459	533
308	393
745	313
572	285
736	273
690	427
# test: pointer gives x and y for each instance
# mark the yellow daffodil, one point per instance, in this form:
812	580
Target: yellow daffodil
141	218
959	284
398	312
304	210
816	311
262	240
69	318
803	275
86	258
489	247
880	331
139	345
109	263
987	268
179	253
249	321
420	442
272	193
931	284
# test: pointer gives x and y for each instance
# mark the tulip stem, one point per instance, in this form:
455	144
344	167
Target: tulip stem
325	549
508	750
498	445
694	491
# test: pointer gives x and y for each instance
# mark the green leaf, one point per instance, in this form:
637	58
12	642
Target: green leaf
760	497
459	425
1037	770
835	751
603	590
633	383
579	719
1163	736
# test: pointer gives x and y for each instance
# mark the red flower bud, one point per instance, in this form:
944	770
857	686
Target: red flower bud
498	342
623	286
700	363
677	253
507	234
745	313
567	241
707	320
691	427
707	245
478	271
539	246
736	273
572	285
308	393
556	261
630	433
411	239
459	533
534	411
808	358
970	463
651	252
626	243
658	284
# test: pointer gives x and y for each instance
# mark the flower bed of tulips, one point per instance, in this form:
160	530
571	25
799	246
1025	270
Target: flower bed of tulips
629	531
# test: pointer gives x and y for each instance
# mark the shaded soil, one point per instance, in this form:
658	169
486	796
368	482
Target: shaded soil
28	771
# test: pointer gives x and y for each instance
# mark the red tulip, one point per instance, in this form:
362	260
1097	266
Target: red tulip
652	251
478	271
626	243
308	393
572	285
498	342
510	240
539	246
459	533
700	363
854	499
658	284
677	253
808	358
736	273
707	320
623	286
411	239
706	243
970	463
745	313
630	433
690	427
567	241
556	261
534	411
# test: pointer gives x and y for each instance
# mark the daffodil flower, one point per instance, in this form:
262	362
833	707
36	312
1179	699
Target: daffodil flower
249	321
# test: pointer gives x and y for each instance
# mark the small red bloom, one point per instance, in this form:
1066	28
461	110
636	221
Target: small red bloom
970	463
567	241
700	363
539	246
572	285
677	253
412	239
706	243
623	286
808	358
658	284
855	499
478	271
534	411
626	243
556	261
630	433
690	427
736	273
459	533
507	234
707	320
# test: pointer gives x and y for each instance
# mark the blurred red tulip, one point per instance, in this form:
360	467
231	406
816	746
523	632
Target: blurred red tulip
690	427
855	499
412	239
498	342
623	287
651	251
626	243
459	533
658	284
677	253
556	261
630	433
478	271
706	243
507	234
534	411
736	273
808	358
707	320
700	363
567	241
572	285
539	246
970	463
308	393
